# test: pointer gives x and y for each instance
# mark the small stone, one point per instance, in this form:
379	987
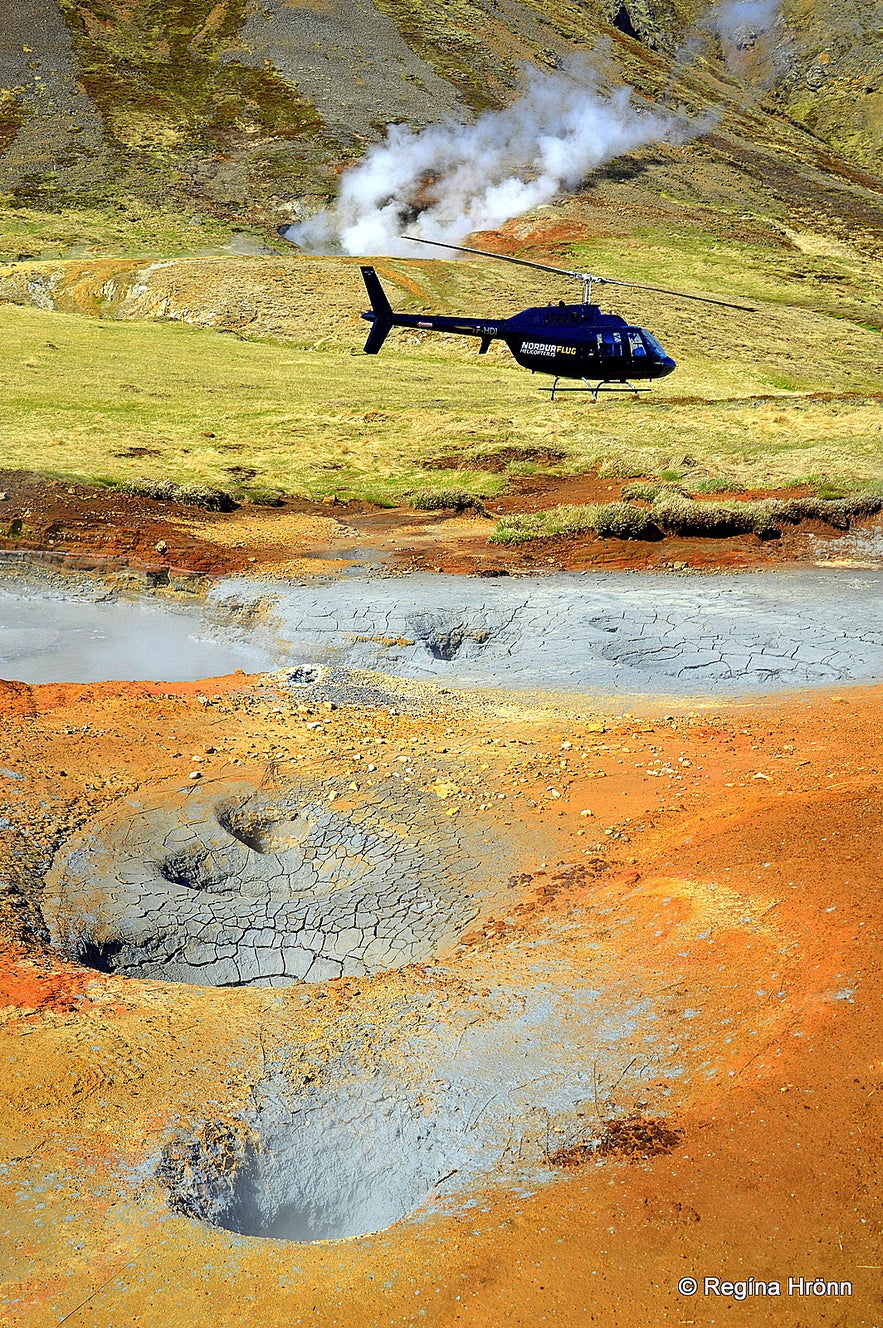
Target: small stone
160	546
587	811
196	774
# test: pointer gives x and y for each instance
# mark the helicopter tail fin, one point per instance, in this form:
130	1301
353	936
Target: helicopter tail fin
381	315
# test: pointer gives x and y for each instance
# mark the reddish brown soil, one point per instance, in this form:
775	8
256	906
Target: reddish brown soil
84	527
769	1169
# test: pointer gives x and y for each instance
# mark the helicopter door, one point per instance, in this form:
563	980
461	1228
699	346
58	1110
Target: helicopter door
636	345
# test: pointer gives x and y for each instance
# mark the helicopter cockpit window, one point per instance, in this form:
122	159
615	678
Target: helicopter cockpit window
636	345
652	343
610	343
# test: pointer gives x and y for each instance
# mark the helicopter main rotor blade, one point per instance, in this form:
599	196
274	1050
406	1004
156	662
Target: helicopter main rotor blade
504	258
582	276
677	295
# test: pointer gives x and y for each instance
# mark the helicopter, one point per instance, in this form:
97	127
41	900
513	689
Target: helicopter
569	341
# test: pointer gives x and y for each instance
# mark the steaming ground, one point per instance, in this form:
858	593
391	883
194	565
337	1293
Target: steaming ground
449	179
45	637
615	632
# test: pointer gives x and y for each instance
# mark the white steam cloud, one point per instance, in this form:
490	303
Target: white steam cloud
733	16
746	29
448	180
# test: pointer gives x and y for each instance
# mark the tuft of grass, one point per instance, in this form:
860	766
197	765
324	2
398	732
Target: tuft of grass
621	467
619	520
680	515
675	513
166	491
259	495
446	500
647	491
836	512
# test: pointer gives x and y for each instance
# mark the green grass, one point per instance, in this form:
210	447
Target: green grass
674	513
132	228
619	520
441	500
307	415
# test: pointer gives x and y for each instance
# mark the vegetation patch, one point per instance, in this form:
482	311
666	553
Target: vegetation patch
680	515
11	118
259	495
166	491
496	461
619	520
673	512
647	491
441	500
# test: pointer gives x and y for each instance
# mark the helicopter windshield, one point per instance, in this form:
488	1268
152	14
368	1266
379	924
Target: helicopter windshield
653	343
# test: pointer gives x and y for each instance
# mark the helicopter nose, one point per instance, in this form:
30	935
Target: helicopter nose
666	366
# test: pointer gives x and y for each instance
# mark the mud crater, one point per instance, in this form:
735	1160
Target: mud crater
321	1167
233	886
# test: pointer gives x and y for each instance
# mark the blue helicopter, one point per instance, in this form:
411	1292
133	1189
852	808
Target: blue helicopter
570	341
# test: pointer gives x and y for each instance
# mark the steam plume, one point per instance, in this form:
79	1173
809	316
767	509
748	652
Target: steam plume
746	28
449	180
733	16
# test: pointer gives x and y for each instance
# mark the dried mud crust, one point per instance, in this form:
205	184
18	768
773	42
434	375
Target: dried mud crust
648	634
236	886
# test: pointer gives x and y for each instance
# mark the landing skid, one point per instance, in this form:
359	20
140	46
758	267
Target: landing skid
605	386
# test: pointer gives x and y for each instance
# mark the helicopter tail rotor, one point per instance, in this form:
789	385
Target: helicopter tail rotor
383	318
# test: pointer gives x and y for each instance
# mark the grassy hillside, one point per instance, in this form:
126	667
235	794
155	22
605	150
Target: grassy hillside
788	395
148	151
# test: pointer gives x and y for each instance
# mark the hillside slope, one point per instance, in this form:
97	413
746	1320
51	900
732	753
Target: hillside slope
241	111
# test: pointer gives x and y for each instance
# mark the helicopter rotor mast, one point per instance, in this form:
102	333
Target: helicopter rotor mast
587	279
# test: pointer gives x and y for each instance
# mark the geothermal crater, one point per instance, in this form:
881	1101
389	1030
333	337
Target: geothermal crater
235	886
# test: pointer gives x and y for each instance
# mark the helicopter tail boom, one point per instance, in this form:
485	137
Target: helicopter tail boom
383	318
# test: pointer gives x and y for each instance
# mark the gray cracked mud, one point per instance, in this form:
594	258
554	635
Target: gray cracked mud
446	1106
234	886
631	633
610	632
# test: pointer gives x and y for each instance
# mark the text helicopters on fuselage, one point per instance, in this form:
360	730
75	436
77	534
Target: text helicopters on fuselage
574	341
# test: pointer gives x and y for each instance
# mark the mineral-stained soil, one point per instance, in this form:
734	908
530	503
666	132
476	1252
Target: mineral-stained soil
654	1056
143	541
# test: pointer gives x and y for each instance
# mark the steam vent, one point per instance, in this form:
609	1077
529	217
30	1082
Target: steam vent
238	886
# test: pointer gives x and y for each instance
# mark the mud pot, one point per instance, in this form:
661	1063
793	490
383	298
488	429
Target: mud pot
611	633
487	943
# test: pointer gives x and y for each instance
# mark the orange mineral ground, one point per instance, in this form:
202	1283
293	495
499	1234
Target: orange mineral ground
684	961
